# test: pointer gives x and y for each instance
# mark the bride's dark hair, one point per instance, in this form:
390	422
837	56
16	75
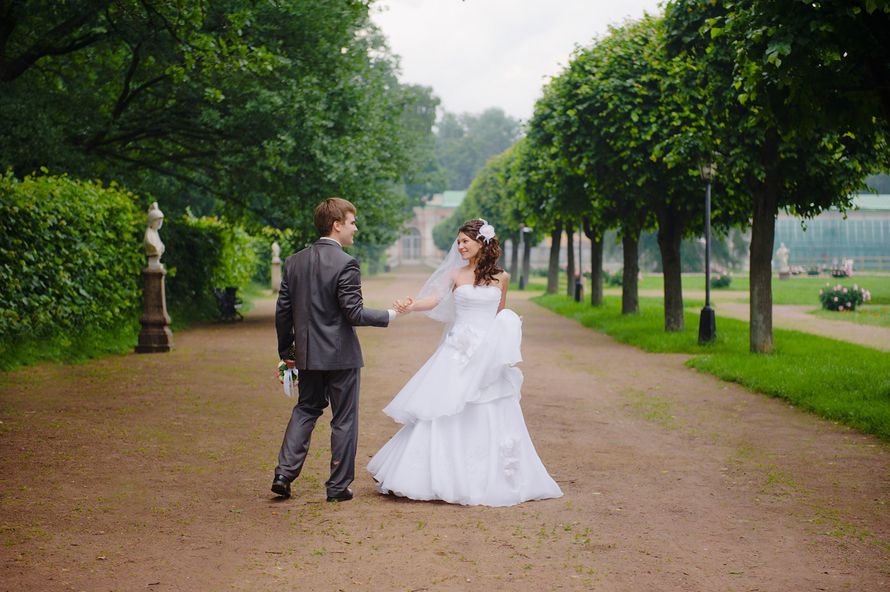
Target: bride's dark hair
487	263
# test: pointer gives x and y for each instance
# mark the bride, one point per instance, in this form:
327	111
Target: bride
464	438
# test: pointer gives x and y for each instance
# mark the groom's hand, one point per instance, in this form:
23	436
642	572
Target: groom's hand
403	306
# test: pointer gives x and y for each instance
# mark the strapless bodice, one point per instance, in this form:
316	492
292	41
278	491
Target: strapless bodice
476	305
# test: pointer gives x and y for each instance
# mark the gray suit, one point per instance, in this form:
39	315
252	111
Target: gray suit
319	306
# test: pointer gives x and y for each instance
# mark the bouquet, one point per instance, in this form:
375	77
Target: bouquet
288	375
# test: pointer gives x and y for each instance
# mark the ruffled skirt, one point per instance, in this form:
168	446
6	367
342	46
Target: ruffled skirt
465	440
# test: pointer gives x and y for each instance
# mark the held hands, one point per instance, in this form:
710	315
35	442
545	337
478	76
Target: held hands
403	306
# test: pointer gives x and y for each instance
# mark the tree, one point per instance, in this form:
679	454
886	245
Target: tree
465	142
606	142
780	149
254	110
493	196
555	192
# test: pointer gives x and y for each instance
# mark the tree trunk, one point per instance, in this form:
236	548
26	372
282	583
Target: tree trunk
553	268
670	232
570	260
596	264
526	259
514	257
630	297
763	229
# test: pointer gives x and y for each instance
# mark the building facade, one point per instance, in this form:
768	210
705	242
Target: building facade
416	245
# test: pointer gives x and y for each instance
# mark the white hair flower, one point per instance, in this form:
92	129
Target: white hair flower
486	231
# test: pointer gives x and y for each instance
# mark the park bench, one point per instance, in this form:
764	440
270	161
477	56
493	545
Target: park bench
228	303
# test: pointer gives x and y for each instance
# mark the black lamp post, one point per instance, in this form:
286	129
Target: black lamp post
707	324
579	278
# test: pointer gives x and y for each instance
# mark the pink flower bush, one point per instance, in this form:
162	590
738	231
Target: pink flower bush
841	298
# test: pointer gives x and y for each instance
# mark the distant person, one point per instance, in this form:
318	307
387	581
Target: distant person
319	306
464	439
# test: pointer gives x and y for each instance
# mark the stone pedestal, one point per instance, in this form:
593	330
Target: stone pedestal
276	267
784	275
276	276
155	335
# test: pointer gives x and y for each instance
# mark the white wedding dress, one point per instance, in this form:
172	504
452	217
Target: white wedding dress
464	438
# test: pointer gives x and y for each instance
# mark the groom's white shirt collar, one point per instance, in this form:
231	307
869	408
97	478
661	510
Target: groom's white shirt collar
330	239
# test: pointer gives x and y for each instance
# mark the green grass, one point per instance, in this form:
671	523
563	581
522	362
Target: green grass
86	344
91	343
867	314
797	290
840	381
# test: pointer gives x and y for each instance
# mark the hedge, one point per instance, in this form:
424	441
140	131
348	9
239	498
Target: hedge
202	254
70	260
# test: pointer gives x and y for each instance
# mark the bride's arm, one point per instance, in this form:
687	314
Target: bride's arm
504	280
425	304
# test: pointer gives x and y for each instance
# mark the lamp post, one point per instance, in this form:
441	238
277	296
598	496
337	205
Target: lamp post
524	265
707	324
579	278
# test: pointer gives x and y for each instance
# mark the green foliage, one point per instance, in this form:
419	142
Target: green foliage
262	247
721	279
615	278
837	380
493	196
465	142
70	260
252	110
203	253
843	298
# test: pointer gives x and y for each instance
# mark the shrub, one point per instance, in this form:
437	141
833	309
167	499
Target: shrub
70	260
721	280
843	298
262	246
613	279
202	254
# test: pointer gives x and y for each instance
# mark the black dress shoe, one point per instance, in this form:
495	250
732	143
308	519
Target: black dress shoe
343	496
281	486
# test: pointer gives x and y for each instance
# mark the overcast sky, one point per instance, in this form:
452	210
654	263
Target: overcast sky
493	53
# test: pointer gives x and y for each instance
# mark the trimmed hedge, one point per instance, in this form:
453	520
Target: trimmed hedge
202	254
70	260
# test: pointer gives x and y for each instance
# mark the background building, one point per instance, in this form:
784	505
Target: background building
416	245
862	235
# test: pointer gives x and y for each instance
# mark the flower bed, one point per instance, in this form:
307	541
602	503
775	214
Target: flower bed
843	298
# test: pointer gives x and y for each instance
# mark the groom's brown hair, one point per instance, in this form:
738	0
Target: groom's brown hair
333	209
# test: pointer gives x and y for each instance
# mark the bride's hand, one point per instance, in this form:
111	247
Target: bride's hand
404	306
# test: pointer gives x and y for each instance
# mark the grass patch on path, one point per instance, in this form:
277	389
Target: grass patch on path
840	381
877	315
796	290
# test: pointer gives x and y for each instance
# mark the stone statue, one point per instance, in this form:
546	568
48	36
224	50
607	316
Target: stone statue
154	248
276	267
782	258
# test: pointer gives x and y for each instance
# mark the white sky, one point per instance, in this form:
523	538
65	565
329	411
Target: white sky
493	53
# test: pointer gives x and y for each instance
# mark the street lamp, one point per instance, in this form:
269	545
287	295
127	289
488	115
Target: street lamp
707	324
579	279
524	266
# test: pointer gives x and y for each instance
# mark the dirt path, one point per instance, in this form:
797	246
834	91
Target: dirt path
790	316
151	473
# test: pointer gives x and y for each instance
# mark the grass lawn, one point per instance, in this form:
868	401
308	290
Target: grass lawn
840	381
867	314
797	290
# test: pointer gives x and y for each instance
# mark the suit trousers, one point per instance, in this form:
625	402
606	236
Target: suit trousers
316	389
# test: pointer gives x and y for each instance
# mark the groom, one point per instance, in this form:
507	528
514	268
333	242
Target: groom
319	306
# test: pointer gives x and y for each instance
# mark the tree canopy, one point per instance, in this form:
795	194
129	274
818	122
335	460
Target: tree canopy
256	110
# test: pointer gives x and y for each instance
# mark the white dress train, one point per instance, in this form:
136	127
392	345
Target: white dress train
464	438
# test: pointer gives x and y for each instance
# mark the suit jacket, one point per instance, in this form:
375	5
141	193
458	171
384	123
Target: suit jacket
319	306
